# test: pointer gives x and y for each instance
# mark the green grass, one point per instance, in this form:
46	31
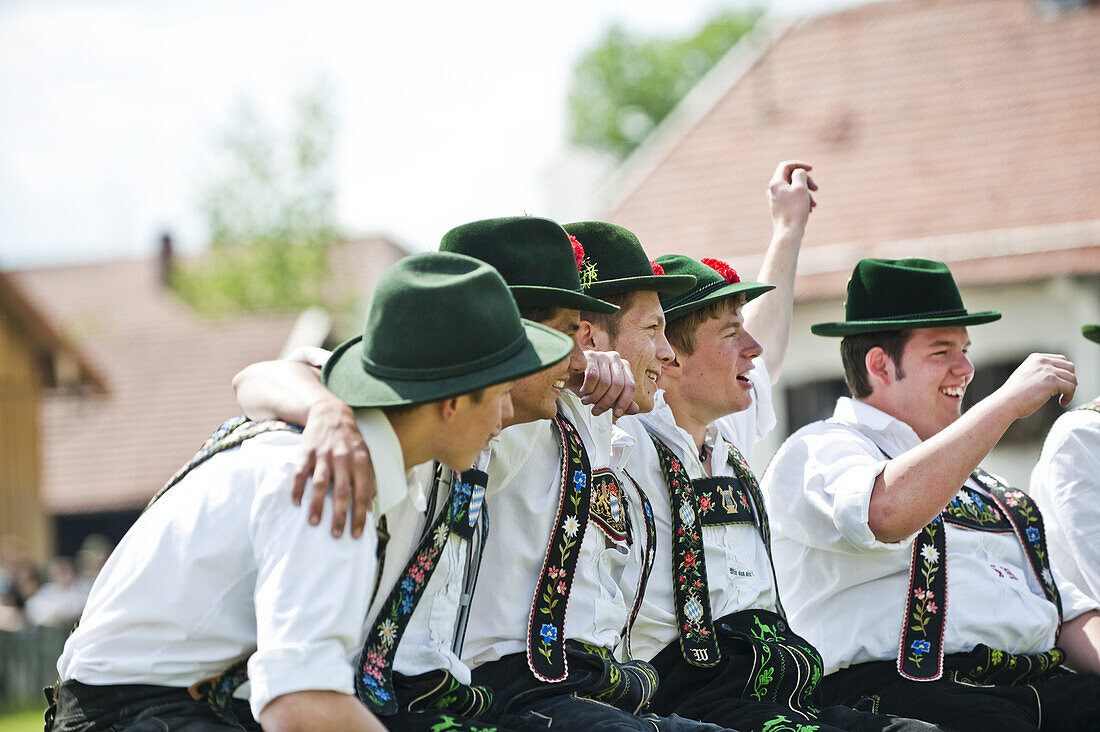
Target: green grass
28	721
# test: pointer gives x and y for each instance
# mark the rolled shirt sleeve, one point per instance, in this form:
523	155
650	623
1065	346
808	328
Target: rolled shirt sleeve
311	596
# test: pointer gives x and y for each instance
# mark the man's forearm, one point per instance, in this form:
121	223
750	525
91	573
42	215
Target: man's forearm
768	318
915	486
284	390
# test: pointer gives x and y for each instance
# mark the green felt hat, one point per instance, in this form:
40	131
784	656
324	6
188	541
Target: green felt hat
439	325
714	280
901	294
533	255
1092	332
615	262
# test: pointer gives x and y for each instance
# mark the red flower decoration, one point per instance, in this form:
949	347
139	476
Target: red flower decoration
578	251
729	274
689	559
657	269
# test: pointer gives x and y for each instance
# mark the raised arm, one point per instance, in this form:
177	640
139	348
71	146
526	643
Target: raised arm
915	486
768	318
332	450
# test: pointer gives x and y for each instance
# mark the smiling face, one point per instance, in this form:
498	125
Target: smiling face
640	339
934	373
716	377
535	396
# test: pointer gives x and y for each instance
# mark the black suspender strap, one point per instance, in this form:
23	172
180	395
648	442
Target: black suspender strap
691	595
546	626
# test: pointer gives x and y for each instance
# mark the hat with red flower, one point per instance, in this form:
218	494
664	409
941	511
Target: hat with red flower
714	280
615	262
535	256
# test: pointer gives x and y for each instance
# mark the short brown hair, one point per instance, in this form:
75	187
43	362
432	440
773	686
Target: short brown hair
853	354
681	331
610	321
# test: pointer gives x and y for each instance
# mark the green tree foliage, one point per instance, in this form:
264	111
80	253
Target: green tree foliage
270	212
625	86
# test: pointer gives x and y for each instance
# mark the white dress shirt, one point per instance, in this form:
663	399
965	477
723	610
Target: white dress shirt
739	575
525	470
845	591
427	642
1066	485
224	566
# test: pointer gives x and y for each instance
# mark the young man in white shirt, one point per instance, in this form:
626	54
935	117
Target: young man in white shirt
923	582
1066	485
222	579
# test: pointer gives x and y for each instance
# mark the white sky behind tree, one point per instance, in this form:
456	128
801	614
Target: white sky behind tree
446	112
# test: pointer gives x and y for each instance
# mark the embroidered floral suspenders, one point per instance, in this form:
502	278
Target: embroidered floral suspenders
698	644
995	509
374	668
546	626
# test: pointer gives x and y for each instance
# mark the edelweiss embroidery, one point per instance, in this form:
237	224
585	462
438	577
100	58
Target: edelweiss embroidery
992	509
546	627
374	669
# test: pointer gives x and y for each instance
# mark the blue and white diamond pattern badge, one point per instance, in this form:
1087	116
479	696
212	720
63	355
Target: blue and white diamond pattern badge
687	513
616	505
693	609
476	500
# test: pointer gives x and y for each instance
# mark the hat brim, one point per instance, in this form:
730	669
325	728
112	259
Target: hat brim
343	374
852	327
750	290
661	284
556	297
1092	332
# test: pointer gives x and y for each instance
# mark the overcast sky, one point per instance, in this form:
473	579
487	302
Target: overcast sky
446	112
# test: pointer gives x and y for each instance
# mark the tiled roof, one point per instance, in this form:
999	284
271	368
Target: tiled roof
925	120
62	363
168	374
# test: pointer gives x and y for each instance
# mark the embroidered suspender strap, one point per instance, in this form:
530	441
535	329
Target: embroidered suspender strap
922	634
997	510
374	668
1027	523
546	627
232	433
691	594
744	473
647	559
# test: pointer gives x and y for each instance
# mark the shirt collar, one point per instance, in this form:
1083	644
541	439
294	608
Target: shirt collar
394	484
661	422
853	412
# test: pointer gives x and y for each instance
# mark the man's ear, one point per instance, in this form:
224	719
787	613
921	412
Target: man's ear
448	408
586	336
880	367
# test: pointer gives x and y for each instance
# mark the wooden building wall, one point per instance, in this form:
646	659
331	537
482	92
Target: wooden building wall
21	510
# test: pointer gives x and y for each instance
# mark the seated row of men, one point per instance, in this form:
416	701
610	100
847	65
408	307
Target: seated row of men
544	433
